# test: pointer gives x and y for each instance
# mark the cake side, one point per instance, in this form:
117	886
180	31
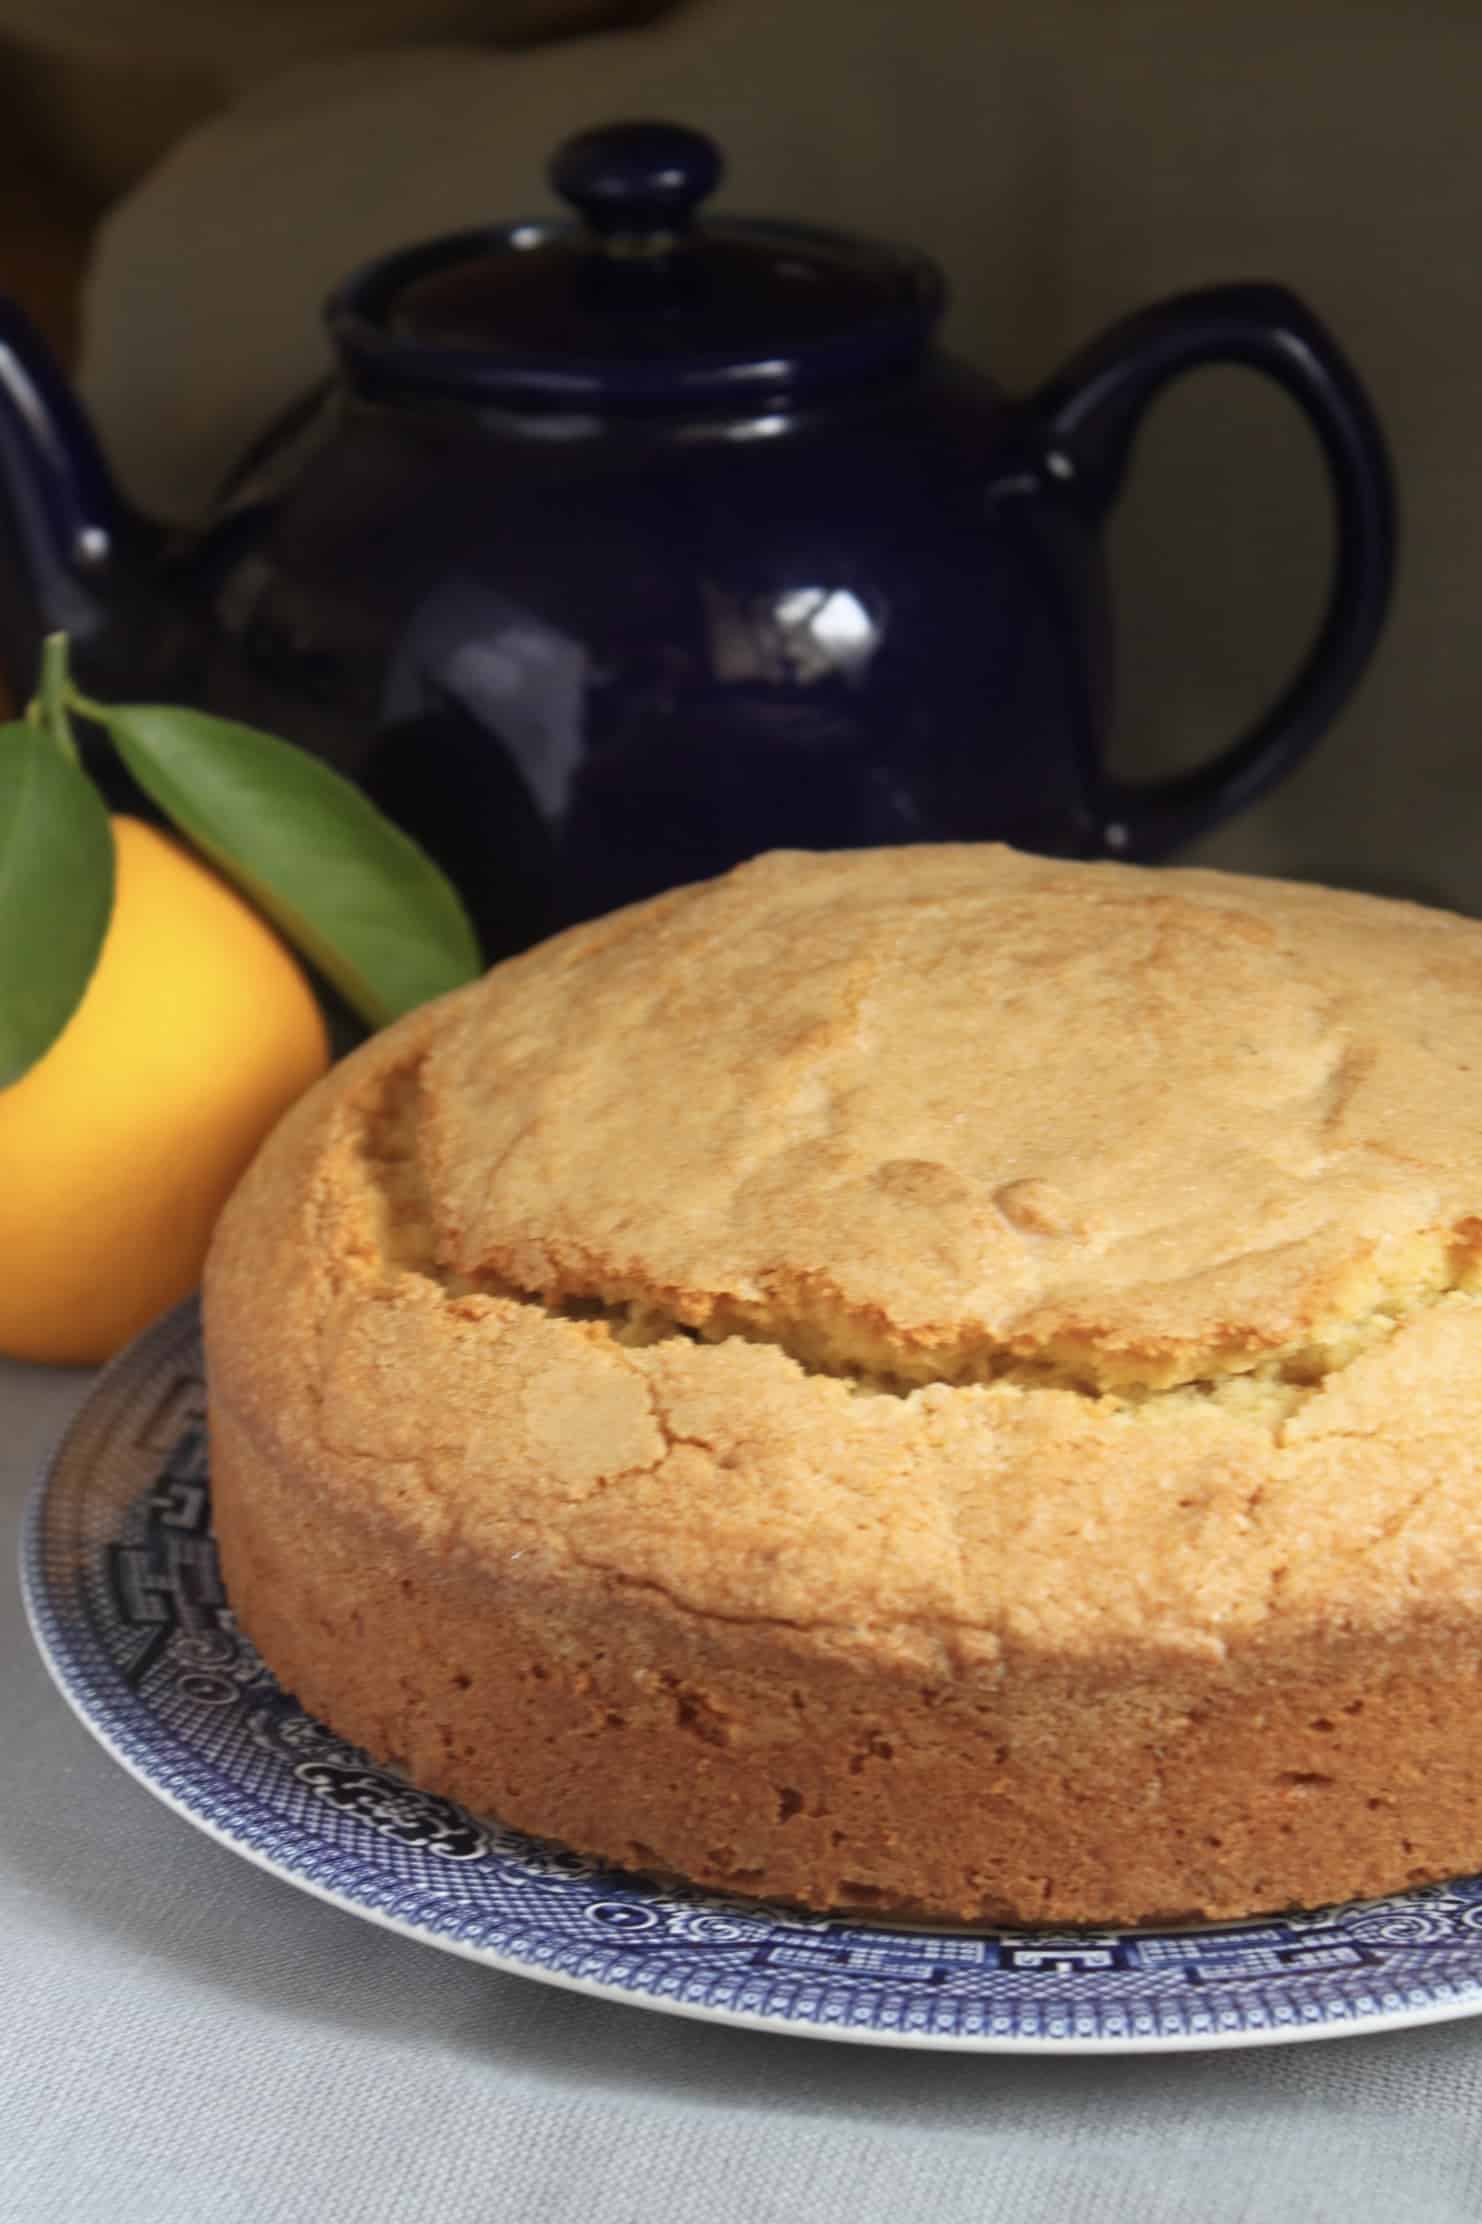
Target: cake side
778	1761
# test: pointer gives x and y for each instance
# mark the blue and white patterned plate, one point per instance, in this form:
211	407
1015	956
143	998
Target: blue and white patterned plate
126	1603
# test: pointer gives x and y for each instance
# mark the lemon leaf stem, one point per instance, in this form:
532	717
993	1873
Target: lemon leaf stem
47	709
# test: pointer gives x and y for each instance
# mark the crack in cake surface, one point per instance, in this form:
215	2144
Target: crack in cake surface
1267	1386
982	1110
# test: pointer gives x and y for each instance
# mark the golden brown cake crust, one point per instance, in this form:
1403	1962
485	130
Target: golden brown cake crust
924	1378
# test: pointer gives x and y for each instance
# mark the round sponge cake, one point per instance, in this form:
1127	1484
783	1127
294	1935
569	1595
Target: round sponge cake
928	1380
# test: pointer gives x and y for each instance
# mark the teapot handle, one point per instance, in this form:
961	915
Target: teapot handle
1088	418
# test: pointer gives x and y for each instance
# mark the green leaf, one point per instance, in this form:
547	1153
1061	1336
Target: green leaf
357	896
56	893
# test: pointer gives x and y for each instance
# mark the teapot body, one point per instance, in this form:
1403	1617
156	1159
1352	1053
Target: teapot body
625	549
585	660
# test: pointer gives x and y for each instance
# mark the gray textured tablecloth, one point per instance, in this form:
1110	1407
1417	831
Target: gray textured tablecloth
184	2039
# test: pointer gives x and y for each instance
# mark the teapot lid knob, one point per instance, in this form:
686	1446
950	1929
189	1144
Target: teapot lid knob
636	180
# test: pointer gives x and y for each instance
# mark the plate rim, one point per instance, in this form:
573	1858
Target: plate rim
182	1324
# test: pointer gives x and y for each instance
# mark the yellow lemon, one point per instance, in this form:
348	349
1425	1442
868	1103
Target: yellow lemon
120	1146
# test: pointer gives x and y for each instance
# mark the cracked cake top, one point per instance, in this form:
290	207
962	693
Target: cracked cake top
943	1241
937	1113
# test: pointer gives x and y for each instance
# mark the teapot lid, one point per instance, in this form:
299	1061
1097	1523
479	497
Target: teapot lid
635	304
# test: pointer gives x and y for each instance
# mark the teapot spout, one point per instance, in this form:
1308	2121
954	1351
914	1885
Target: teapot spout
59	515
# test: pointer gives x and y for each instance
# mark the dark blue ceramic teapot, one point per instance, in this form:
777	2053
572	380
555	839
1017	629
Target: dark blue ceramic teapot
626	547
